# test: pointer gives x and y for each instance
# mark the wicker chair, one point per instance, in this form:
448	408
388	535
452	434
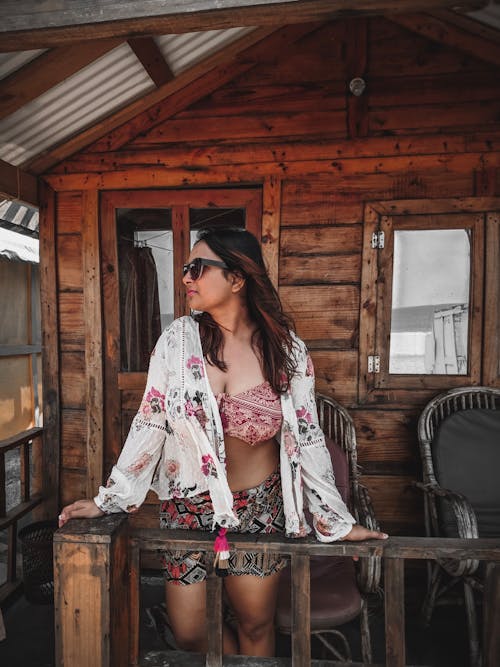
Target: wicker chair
336	596
446	427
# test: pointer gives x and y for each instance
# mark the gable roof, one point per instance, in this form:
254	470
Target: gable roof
53	96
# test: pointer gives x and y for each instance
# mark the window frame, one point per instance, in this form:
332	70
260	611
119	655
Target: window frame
376	292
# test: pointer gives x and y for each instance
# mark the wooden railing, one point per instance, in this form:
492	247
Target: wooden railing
26	442
97	566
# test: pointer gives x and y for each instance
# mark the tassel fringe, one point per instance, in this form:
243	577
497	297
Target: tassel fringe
221	548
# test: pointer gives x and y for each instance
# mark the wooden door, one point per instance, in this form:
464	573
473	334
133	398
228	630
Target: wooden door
146	237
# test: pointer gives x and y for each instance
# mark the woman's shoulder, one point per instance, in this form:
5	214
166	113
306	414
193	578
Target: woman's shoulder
180	327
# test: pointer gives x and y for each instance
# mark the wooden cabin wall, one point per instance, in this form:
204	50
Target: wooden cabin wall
427	127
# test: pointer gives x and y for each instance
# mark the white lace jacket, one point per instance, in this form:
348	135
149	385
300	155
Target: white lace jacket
176	443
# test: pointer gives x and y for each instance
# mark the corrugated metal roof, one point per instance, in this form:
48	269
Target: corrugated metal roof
19	217
183	51
78	102
9	62
96	91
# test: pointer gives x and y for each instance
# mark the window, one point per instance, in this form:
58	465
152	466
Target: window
426	271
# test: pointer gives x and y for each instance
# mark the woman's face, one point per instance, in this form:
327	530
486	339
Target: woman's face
212	289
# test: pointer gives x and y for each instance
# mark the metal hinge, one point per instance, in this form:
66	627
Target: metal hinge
378	239
373	363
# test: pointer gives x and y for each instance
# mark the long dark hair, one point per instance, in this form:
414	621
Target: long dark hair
272	339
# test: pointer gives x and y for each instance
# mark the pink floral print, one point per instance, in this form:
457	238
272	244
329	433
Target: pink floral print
208	466
141	463
195	365
153	403
172	468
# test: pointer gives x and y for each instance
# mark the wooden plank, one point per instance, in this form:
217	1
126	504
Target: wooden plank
491	343
395	500
50	345
70	262
151	58
386	436
394	613
73	485
111	323
323	312
356	64
416	55
19	439
336	374
301	611
71	321
439	30
69	212
270	124
73	380
180	232
410	118
47	70
491	607
51	26
86	633
134	602
144	110
73	434
93	341
271	214
214	621
319	240
424	173
320	269
311	149
15	183
420	548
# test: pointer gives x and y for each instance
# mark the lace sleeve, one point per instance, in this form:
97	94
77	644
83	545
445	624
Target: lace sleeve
131	477
332	519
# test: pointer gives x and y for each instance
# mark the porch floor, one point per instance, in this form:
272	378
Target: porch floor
30	633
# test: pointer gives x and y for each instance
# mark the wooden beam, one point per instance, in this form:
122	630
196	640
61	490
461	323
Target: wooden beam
151	58
194	83
50	356
455	35
46	71
18	184
29	24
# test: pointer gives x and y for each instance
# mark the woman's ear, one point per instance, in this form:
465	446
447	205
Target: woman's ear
238	282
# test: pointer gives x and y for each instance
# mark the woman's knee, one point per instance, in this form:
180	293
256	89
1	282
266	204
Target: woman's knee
256	629
190	641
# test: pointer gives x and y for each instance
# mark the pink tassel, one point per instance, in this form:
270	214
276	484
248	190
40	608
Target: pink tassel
221	548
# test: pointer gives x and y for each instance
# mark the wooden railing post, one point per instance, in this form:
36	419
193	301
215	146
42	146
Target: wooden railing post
394	612
214	621
91	592
491	606
301	611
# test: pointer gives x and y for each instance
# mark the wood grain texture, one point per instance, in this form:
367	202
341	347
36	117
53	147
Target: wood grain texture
271	213
93	341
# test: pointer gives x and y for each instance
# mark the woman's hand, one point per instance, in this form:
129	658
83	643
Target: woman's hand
359	533
80	509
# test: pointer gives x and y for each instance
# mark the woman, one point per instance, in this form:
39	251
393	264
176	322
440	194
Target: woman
227	435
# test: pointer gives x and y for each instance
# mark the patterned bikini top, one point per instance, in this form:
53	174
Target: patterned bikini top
253	415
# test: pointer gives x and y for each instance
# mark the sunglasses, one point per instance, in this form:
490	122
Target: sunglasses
195	268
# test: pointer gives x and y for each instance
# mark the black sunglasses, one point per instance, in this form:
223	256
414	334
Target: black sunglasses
195	268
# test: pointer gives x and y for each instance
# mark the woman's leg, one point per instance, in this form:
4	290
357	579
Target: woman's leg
187	614
253	600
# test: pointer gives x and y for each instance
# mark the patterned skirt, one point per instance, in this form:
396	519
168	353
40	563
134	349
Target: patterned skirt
259	510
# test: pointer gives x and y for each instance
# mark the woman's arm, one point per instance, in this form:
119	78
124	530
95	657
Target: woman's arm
131	477
331	517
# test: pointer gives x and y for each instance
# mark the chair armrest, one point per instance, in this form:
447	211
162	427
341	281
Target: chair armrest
368	569
462	509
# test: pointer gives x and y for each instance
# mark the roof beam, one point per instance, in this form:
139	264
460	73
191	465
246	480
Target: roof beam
461	34
188	86
46	71
151	58
17	184
29	24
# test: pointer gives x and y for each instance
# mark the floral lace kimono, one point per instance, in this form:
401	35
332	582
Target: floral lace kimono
176	443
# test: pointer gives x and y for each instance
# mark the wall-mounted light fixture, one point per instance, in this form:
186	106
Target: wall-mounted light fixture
357	86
